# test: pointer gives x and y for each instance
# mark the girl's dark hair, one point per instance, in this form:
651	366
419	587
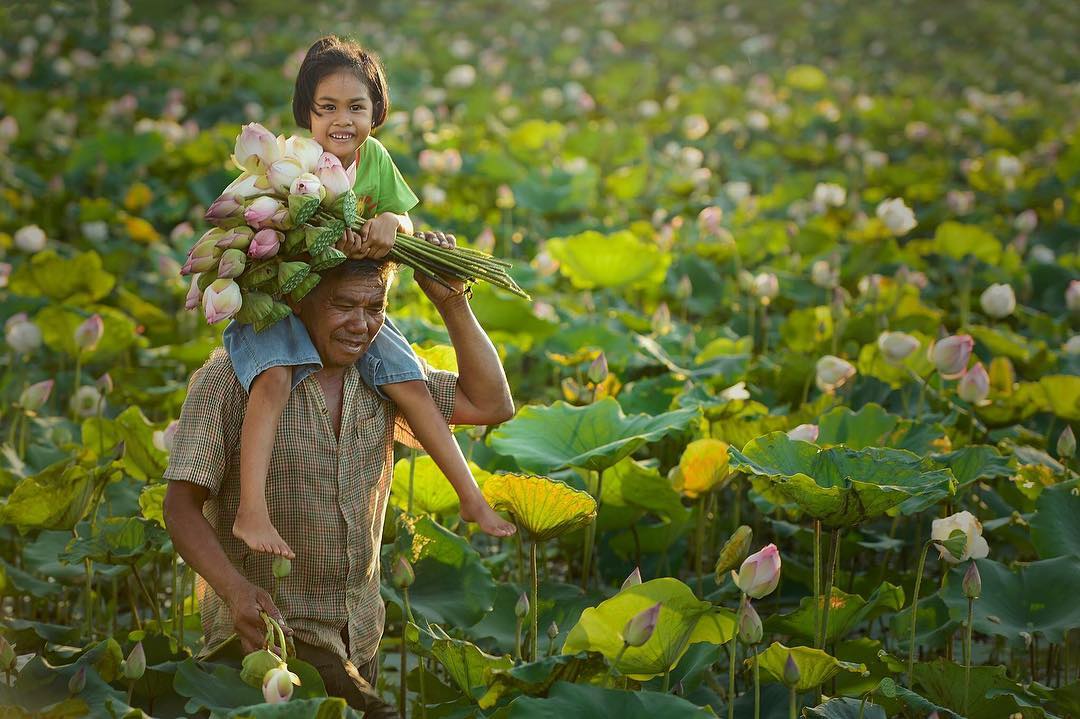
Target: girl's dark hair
330	54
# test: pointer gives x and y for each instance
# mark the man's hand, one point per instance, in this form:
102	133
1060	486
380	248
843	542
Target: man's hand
435	291
245	602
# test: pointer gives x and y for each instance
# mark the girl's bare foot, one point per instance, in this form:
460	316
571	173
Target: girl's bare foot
256	531
477	510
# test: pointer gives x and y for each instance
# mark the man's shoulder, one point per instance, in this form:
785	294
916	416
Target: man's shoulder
216	375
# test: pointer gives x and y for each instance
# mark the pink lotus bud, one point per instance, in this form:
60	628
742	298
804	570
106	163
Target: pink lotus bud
247	186
163	438
225	207
333	177
804	433
1026	221
256	149
1072	296
709	220
896	347
36	395
135	664
972	583
598	369
998	301
21	335
305	151
641	626
633	579
278	685
194	294
5	273
283	172
521	609
266	212
749	624
231	264
236	238
833	373
402	573
760	573
265	244
30	239
221	300
104	383
1066	444
77	682
896	216
204	257
87	401
791	671
951	354
89	333
306	184
974	385
765	286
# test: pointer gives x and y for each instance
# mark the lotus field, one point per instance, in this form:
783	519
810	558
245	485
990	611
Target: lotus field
797	375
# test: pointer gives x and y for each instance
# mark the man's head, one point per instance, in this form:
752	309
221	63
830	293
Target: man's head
346	310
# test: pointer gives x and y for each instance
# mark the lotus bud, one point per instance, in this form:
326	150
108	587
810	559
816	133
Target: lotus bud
135	664
7	655
750	631
78	681
163	439
306	184
1072	296
831	373
305	151
804	433
36	395
791	671
236	238
30	239
1066	444
765	287
221	300
972	584
256	665
734	551
950	355
974	385
553	631
822	274
896	347
87	402
401	574
231	264
283	173
281	566
203	258
760	573
21	334
104	383
333	177
256	149
5	274
521	609
974	548
598	370
265	243
633	579
225	207
1026	221
998	301
277	685
661	319
641	626
684	288
194	294
896	216
264	211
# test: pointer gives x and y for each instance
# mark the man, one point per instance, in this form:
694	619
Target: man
328	483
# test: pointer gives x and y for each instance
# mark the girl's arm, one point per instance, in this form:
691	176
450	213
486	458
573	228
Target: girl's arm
376	236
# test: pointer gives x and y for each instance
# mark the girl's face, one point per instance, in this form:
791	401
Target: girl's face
344	107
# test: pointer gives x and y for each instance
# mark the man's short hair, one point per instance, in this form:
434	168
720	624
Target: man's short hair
384	270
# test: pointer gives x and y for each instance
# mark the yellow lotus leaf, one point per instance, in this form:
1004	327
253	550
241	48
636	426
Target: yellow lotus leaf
703	467
544	508
438	356
432	491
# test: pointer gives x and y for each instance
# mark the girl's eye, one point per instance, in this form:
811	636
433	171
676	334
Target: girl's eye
328	108
357	108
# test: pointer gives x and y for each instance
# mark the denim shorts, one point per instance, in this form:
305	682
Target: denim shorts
286	343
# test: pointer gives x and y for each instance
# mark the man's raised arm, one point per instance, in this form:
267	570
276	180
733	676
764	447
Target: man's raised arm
483	394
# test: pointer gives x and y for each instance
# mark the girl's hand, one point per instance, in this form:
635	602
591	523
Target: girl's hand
377	235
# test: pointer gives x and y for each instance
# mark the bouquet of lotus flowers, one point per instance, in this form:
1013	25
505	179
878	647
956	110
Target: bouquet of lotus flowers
275	228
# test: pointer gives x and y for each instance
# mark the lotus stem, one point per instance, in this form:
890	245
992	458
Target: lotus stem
403	690
89	591
517	637
412	474
666	687
149	597
590	534
817	578
732	651
757	687
915	610
967	652
793	704
618	658
535	605
834	557
699	542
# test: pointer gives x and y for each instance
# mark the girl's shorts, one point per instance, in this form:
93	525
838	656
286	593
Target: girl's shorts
389	357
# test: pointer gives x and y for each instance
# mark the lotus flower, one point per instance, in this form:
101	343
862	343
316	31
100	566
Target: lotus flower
1072	296
232	263
333	177
305	150
998	301
822	274
221	300
951	354
266	212
749	624
256	149
804	433
641	626
89	333
765	286
829	194
833	373
401	574
194	294
791	671
896	216
265	244
760	573
278	685
247	186
598	370
975	546
306	184
135	664
283	172
163	438
87	401
237	238
36	395
225	207
974	385
21	334
1026	221
203	258
896	347
521	608
30	239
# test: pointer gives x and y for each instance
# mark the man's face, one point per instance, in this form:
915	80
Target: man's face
342	315
344	107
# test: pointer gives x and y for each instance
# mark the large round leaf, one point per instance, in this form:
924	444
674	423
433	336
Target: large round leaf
620	259
583	701
57	497
432	491
846	708
842	487
543	439
815	666
544	508
683	620
1054	528
846	612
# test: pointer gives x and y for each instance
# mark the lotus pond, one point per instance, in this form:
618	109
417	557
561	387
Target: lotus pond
797	386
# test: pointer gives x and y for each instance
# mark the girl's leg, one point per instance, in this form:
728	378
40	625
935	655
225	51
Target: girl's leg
266	401
429	426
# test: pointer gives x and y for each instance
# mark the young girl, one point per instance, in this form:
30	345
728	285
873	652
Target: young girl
341	96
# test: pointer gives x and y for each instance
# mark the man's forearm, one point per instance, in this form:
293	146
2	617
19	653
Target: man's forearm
480	373
195	540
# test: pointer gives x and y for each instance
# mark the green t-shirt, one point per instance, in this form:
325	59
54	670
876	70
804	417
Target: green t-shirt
379	185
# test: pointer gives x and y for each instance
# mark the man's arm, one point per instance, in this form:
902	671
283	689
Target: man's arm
196	541
483	394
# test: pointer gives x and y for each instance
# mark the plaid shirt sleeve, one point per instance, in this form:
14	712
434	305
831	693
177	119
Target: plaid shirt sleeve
443	388
209	428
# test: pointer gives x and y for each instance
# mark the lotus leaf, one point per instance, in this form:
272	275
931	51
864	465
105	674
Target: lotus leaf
76	281
856	430
683	620
621	259
815	666
537	678
841	487
544	508
55	498
1055	530
991	693
543	439
432	491
469	666
583	701
846	708
846	612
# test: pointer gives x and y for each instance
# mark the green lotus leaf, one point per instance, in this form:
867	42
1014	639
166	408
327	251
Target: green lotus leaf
295	708
846	612
842	487
1002	342
1055	530
58	324
432	491
631	484
991	693
815	666
151	502
1063	395
560	603
57	497
141	459
806	77
856	430
537	678
584	701
75	281
958	240
119	540
846	708
442	357
621	259
684	620
544	508
596	436
1014	604
468	665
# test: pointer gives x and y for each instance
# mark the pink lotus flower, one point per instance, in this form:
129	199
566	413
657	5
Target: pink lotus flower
333	177
221	300
89	333
951	354
36	395
306	184
256	149
247	186
804	433
974	385
265	244
278	685
832	373
283	172
633	579
760	573
304	150
265	212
